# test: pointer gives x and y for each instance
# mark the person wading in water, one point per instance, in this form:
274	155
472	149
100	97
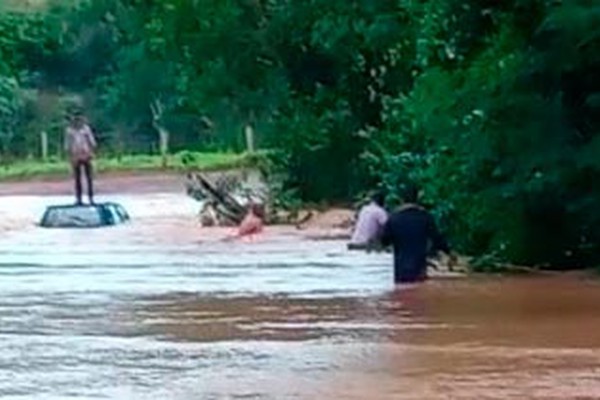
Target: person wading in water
369	225
411	230
80	145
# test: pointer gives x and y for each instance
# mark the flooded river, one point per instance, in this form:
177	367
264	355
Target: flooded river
159	309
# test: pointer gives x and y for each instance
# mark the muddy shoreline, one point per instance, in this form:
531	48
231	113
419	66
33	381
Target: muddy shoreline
108	183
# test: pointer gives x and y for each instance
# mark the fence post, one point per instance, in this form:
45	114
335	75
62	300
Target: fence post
249	133
44	144
164	146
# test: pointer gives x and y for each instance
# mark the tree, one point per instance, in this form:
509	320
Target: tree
10	111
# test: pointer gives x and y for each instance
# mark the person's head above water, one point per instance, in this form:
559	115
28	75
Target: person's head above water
378	198
256	209
410	194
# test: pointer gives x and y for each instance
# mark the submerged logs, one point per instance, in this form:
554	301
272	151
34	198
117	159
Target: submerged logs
224	197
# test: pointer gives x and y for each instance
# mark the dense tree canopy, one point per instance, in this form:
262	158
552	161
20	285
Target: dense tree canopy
491	107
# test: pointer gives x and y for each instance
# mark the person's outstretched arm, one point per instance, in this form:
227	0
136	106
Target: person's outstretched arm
439	241
90	137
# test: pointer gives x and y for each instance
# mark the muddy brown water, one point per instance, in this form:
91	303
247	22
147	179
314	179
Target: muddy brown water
161	309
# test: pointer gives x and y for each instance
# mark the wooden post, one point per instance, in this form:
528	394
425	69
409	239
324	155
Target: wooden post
249	133
44	144
164	147
163	135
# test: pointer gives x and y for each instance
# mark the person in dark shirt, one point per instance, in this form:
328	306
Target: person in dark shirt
413	234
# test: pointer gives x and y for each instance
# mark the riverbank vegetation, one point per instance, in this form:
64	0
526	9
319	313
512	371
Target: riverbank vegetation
491	107
179	162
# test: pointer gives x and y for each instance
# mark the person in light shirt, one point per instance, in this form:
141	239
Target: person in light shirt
80	145
369	225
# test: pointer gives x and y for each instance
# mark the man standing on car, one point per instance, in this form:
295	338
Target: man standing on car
80	145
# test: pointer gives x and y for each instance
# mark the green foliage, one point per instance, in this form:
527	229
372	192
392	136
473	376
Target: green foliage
10	108
26	169
502	143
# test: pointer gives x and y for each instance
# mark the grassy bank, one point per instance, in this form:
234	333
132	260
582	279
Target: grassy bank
32	169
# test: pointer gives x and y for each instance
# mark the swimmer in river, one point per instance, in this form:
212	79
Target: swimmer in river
410	231
251	225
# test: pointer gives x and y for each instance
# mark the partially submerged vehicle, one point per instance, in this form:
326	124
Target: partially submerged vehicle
84	216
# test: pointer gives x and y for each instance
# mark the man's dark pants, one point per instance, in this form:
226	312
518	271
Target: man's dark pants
85	167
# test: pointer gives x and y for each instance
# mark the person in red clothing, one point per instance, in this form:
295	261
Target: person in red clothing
252	224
